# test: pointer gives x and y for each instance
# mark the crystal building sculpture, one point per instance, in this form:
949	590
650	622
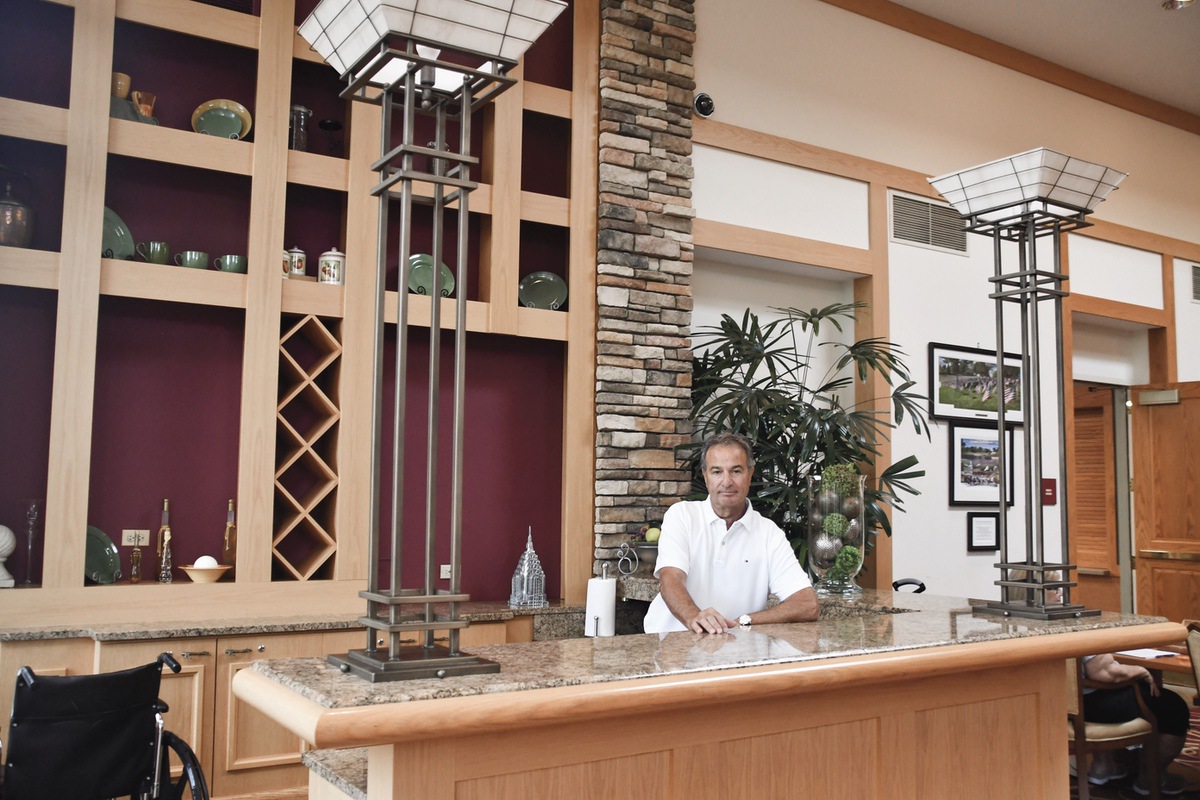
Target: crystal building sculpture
528	581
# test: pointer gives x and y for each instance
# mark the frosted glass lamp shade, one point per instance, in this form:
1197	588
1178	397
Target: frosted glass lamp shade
345	32
1036	175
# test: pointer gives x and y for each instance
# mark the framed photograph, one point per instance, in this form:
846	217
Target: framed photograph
963	384
982	531
975	465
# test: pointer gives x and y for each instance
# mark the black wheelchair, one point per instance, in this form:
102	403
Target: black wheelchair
94	737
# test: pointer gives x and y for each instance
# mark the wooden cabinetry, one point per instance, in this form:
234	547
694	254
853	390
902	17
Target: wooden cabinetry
300	493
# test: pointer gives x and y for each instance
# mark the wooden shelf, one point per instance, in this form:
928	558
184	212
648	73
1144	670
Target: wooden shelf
37	269
545	208
548	100
33	121
310	169
193	19
310	297
173	146
171	283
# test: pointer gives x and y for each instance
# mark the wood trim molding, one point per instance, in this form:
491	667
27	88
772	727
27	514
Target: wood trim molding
768	244
750	142
1115	309
1142	240
943	33
1164	358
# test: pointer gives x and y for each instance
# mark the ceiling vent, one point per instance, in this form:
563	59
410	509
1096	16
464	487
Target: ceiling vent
933	225
1196	283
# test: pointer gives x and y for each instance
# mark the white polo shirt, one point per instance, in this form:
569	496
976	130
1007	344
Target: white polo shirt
730	570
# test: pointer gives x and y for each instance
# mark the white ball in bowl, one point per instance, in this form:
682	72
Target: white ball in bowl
206	562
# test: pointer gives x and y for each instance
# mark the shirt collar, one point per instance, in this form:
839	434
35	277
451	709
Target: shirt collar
710	516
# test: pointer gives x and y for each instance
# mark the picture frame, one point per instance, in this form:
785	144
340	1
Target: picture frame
961	380
983	531
973	465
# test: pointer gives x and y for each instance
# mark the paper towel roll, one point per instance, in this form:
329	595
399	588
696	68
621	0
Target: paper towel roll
600	618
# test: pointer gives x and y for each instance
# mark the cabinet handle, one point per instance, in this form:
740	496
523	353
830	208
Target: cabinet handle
194	654
237	652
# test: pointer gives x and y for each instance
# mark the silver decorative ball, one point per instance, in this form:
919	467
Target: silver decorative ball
816	517
824	549
828	501
853	534
852	506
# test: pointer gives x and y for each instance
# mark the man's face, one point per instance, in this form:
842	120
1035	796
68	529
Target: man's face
727	477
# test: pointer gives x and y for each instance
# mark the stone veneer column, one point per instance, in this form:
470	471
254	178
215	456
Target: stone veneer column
644	264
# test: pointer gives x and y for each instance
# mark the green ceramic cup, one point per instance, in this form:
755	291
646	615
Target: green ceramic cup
154	252
192	259
230	263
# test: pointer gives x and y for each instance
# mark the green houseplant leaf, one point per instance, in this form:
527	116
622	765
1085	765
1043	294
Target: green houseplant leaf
756	377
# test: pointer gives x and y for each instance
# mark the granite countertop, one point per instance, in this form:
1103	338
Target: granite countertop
878	622
478	611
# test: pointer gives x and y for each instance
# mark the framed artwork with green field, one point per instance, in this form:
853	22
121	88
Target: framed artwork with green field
964	384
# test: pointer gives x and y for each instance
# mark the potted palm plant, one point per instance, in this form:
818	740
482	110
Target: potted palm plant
758	378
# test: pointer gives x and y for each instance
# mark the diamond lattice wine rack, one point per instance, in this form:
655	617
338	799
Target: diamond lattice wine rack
306	477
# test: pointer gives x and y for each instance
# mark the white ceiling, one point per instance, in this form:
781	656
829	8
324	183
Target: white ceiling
1133	44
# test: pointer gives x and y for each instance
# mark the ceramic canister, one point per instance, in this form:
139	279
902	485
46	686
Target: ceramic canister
332	267
298	262
287	263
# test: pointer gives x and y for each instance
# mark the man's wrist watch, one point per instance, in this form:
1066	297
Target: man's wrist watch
744	621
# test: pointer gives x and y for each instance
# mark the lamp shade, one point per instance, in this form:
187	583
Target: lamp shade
345	32
1039	174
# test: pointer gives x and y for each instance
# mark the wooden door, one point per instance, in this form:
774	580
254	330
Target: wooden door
1092	492
1166	498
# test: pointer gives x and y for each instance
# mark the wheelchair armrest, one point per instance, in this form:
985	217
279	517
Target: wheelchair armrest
169	661
161	707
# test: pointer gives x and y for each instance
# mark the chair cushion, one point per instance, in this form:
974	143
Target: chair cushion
1111	731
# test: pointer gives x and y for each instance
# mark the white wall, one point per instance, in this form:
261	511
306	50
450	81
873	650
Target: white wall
1104	353
1187	323
810	72
1115	272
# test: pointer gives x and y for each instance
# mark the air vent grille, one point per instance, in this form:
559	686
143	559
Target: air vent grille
1196	283
931	224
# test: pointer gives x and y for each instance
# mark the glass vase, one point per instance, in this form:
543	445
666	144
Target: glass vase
836	533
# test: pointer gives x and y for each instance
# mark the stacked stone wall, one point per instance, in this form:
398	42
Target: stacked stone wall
644	264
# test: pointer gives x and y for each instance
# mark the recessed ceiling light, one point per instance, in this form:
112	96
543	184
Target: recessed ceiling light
1175	5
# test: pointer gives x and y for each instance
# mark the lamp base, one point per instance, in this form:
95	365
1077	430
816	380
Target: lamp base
413	662
1031	611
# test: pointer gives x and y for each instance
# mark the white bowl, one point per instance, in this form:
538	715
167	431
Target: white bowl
206	574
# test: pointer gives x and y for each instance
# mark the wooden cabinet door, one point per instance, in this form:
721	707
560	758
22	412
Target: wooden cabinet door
44	657
1166	498
188	694
255	754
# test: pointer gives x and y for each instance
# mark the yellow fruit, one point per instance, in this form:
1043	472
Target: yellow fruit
652	535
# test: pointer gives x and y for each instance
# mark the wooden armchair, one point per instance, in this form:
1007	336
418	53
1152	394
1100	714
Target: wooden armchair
1193	647
1084	737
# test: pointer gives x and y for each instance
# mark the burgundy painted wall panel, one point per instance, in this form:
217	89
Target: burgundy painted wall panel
313	222
167	405
184	71
191	209
35	52
549	60
27	320
512	475
546	154
41	185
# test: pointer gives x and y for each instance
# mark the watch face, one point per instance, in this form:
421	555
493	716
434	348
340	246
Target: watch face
744	620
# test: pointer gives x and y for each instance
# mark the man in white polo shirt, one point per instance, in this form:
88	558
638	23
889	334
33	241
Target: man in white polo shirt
718	558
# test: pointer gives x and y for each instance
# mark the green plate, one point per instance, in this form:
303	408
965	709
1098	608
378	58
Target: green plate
101	563
220	122
420	276
117	241
542	290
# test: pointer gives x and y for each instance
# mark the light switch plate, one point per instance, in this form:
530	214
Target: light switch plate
445	572
135	538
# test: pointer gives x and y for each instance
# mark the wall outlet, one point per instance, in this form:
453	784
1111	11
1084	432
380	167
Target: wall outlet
135	538
445	572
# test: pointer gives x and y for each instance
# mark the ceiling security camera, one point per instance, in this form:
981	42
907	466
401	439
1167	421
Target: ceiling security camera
704	104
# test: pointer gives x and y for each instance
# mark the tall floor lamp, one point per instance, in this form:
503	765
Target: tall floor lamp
442	59
1019	200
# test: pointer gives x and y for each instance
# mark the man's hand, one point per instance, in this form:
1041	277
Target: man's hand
710	621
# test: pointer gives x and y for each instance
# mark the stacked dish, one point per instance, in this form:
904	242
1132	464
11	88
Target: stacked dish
227	119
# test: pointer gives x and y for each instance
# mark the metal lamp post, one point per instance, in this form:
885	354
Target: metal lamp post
443	59
1019	200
